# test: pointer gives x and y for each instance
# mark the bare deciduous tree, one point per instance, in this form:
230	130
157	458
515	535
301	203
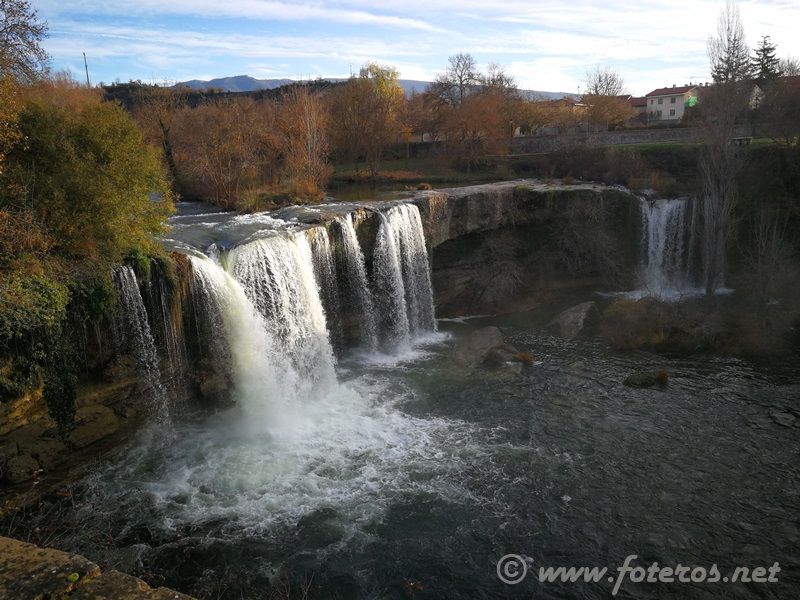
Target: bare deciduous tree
303	123
790	66
720	159
456	83
728	51
21	33
604	82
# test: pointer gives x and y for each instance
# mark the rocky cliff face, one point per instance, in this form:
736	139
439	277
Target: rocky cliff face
493	245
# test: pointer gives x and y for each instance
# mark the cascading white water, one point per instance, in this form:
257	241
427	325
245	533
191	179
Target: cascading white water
665	262
325	275
389	290
277	276
167	330
133	333
266	384
406	222
355	283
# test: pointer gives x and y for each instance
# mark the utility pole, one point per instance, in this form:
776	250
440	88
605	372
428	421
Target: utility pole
86	66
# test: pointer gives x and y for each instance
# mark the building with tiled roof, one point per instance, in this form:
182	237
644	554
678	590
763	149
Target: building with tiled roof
669	104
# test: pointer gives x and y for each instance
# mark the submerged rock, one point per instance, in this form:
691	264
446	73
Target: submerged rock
571	322
647	379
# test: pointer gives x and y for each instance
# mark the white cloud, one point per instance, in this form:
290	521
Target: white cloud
249	9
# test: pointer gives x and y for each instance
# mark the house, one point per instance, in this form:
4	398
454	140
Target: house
669	104
639	106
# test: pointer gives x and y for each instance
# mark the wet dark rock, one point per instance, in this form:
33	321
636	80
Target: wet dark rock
473	349
8	450
572	322
45	446
93	423
21	468
122	367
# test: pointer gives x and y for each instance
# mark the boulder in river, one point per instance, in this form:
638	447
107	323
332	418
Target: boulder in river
571	322
473	349
486	347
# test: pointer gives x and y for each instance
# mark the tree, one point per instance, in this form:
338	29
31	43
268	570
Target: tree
476	129
224	149
605	98
789	67
456	83
305	145
765	64
779	111
720	159
86	175
604	82
728	51
155	111
21	32
10	107
366	115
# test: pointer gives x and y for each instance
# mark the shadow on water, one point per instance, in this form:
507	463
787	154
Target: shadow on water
415	486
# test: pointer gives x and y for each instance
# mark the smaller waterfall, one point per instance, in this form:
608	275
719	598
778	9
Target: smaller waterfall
353	281
389	290
665	260
407	223
166	326
133	334
325	275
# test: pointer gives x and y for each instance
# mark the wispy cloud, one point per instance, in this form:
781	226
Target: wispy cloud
249	9
547	44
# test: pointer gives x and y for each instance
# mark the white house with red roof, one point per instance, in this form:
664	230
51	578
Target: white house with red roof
669	104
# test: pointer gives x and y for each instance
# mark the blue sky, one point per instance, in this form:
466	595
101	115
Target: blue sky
546	44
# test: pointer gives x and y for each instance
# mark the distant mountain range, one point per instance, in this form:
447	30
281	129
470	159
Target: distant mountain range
245	83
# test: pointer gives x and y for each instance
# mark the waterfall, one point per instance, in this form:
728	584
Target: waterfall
354	285
665	262
132	330
277	276
166	326
325	275
266	385
388	286
401	278
407	223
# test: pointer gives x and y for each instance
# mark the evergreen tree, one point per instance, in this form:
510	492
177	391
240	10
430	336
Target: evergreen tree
728	51
765	64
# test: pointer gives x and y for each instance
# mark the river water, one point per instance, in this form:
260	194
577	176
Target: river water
415	476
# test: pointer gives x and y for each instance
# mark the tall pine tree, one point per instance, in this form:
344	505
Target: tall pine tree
765	63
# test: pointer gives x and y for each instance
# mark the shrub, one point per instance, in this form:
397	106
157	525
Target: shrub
87	176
